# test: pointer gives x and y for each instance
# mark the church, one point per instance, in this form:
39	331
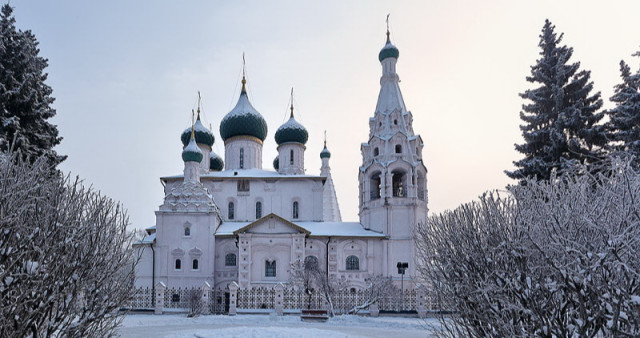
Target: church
233	221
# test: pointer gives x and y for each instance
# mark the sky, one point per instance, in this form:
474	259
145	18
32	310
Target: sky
126	75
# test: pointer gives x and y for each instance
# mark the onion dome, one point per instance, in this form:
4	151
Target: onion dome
389	50
191	153
325	153
291	131
203	134
243	119
215	162
276	163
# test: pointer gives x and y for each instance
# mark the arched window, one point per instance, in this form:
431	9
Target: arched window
270	268
375	184
395	122
310	263
376	151
241	158
194	264
187	231
295	210
258	210
398	184
230	259
178	264
231	213
398	149
421	187
353	263
291	157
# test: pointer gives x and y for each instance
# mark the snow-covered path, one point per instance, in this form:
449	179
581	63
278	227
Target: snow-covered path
178	325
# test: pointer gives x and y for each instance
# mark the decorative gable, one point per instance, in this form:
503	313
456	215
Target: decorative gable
272	224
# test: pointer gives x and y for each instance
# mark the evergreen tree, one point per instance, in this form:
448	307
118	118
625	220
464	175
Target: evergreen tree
25	99
623	128
561	120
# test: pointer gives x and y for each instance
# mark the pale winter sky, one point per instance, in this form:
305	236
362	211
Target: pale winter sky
125	76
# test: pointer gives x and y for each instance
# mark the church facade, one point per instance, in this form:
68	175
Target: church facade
233	221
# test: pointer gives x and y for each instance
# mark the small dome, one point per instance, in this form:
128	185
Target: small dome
291	131
243	119
191	152
215	162
325	153
276	163
202	133
388	51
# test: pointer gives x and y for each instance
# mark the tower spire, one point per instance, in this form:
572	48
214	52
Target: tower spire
199	99
325	138
291	103
388	40
244	79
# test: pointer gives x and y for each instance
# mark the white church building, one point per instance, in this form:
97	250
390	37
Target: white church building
234	221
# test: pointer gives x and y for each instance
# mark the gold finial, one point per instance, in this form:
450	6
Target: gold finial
388	40
244	80
199	98
291	102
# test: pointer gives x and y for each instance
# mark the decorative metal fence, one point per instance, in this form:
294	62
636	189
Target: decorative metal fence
142	299
219	300
258	298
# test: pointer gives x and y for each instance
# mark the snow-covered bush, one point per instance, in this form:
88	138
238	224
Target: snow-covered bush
549	258
66	264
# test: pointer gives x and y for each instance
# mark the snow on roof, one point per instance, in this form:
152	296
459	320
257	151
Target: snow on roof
146	240
324	229
247	173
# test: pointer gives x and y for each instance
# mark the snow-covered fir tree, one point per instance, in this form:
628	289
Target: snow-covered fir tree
623	127
561	118
25	99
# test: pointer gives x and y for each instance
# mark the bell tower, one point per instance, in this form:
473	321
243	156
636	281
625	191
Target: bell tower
393	177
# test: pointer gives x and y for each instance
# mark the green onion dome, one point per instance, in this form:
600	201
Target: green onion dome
243	119
291	131
325	153
202	133
191	152
388	51
276	163
215	162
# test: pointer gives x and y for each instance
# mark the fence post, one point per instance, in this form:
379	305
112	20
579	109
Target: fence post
422	301
374	310
279	301
233	297
206	298
160	288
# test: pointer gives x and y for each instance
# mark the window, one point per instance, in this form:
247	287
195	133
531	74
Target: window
241	158
353	263
310	263
376	151
270	268
178	264
421	187
243	185
230	259
398	184
395	122
295	210
187	231
398	149
258	210
194	264
375	186
231	212
291	157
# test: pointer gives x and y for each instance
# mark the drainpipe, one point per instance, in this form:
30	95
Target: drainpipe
327	258
153	275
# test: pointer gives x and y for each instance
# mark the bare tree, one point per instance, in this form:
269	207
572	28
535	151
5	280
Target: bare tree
553	258
195	302
378	288
309	276
66	263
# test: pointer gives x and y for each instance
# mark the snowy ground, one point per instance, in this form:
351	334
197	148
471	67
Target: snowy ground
178	325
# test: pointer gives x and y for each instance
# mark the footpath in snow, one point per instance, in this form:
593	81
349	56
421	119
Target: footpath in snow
179	325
